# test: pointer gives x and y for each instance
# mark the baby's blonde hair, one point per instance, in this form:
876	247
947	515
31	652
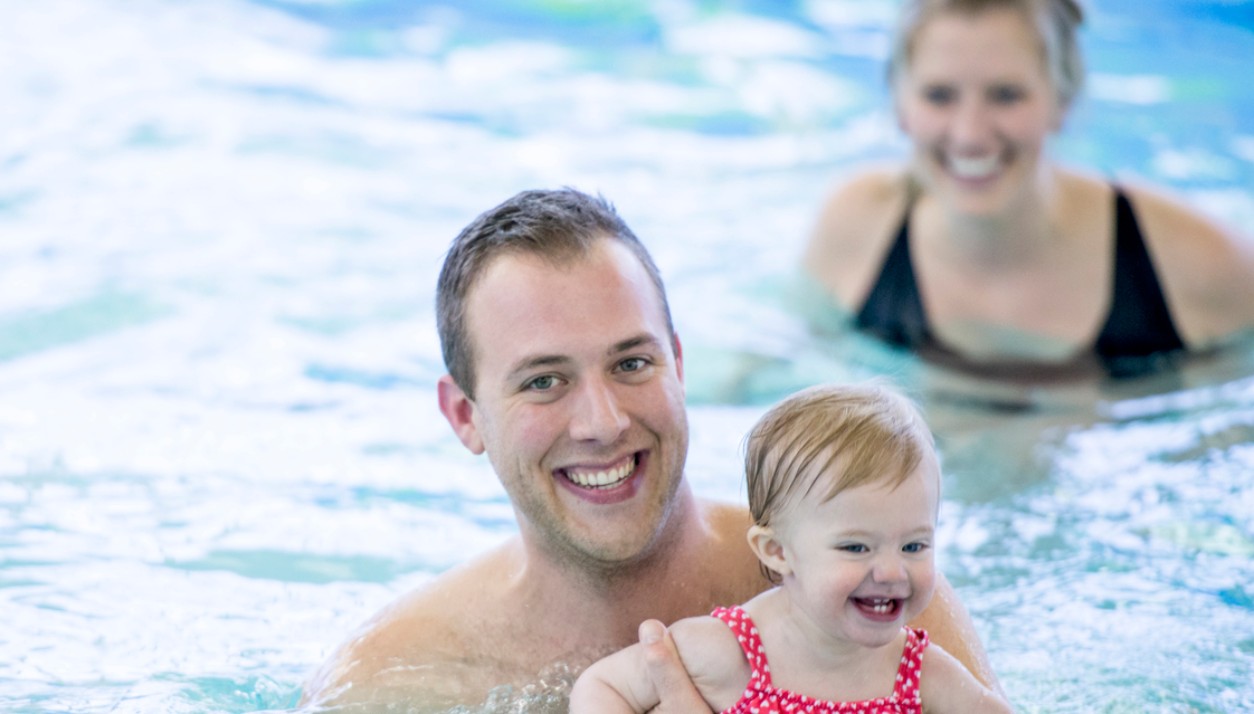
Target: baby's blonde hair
832	437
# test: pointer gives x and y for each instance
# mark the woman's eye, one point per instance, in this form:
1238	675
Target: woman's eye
939	95
1006	94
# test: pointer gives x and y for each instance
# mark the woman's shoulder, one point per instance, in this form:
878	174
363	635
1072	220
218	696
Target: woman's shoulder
1205	266
869	192
854	227
1168	219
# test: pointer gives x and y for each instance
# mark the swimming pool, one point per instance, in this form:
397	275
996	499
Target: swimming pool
220	224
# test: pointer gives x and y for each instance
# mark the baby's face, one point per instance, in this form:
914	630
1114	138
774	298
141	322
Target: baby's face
862	563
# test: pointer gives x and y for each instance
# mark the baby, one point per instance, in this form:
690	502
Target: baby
844	487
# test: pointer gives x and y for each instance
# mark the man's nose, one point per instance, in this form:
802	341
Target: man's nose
598	415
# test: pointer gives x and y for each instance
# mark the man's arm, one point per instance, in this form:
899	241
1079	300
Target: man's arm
946	686
949	625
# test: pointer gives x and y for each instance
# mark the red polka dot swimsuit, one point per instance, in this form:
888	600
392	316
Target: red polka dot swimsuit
761	697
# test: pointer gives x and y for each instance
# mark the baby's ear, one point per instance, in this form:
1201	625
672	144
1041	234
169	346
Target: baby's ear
769	549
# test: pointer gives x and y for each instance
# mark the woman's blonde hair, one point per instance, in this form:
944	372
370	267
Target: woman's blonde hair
831	437
1055	21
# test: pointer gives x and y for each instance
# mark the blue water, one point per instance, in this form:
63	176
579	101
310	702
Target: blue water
220	224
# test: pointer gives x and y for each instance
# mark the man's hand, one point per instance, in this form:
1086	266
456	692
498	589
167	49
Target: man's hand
674	687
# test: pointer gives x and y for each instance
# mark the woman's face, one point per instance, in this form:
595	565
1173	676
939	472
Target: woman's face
978	104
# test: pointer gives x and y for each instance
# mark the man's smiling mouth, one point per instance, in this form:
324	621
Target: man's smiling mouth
602	478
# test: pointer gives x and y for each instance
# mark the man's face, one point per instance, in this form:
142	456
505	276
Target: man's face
580	401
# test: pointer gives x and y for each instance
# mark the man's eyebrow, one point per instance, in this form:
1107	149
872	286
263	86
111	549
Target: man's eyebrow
631	343
526	364
531	362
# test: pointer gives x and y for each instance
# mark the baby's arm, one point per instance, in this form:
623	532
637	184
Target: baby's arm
621	681
617	683
946	686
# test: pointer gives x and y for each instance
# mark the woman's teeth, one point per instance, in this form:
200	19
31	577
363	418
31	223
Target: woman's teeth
973	167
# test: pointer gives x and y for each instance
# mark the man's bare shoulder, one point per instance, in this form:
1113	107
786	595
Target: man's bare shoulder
432	645
728	518
738	575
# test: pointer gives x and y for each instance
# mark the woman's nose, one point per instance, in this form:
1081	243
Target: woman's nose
971	125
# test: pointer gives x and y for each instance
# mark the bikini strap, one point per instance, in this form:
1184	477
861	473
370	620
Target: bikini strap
907	687
750	641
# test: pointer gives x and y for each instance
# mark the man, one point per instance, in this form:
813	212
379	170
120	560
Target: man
564	368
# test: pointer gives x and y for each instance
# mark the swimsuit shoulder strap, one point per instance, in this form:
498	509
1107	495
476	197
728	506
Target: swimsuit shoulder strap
750	641
907	688
893	309
1139	323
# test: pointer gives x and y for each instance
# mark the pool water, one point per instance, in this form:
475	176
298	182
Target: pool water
220	226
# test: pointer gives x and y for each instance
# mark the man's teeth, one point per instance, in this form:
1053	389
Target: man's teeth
603	479
973	167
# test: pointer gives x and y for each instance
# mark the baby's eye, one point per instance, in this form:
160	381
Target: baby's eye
852	548
914	547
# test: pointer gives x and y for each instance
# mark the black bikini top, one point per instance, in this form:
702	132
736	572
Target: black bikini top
1137	335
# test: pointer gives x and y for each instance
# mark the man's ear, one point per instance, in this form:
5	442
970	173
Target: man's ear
768	548
460	412
679	357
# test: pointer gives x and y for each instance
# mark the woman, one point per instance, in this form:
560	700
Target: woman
984	252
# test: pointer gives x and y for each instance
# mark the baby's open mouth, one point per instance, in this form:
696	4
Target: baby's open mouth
879	607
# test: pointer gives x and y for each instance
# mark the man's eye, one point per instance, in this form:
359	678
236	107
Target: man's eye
632	364
541	383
